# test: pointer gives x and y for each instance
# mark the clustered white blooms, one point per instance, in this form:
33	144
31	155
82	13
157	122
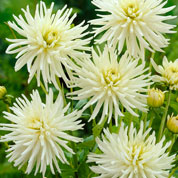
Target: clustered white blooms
111	83
38	131
138	23
168	72
52	47
134	155
49	42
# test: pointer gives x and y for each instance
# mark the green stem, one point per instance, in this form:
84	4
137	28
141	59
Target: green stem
151	122
42	86
62	90
120	122
94	120
75	160
145	121
58	82
151	119
172	172
172	143
8	109
11	30
163	120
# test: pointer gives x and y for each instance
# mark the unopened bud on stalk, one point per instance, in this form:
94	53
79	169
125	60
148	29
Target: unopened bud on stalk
172	123
177	99
3	92
155	97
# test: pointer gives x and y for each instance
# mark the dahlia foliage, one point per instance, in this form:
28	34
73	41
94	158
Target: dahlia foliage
110	109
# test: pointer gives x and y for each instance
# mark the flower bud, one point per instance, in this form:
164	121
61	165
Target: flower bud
155	97
172	123
3	91
177	99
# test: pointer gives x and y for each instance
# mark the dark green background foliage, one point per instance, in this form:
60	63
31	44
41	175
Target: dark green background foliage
16	82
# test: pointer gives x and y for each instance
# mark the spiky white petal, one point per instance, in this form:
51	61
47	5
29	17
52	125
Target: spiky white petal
168	73
49	42
138	23
38	132
131	155
110	83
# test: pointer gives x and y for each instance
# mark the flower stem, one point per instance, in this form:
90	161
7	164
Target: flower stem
8	109
151	119
58	82
145	121
75	160
174	138
172	172
42	86
120	122
11	30
163	120
73	145
62	90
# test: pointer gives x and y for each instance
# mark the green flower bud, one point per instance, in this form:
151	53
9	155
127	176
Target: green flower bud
172	123
155	97
3	92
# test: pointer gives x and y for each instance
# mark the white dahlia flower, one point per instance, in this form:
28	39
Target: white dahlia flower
168	73
131	155
48	42
38	131
138	23
110	83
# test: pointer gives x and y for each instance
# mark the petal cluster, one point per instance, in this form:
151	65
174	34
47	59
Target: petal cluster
137	23
48	42
168	73
38	132
110	83
131	154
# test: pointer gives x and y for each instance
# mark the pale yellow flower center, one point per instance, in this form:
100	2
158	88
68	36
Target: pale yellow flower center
171	73
51	37
111	77
131	9
136	155
36	123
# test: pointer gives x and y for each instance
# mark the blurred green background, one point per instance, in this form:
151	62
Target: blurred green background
16	82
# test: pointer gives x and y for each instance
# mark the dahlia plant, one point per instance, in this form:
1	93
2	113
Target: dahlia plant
106	109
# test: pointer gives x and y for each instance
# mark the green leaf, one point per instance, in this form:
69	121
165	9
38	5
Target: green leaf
98	128
87	143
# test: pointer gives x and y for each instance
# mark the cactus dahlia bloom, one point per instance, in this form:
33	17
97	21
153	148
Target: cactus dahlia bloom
38	132
137	23
110	83
131	155
48	42
168	72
